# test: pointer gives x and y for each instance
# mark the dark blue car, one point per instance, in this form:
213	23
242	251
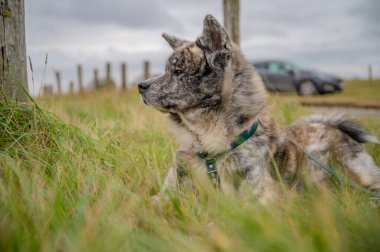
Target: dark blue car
281	76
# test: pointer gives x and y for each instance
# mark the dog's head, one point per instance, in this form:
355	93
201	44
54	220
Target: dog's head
194	73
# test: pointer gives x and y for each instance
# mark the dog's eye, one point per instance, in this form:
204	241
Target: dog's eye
177	72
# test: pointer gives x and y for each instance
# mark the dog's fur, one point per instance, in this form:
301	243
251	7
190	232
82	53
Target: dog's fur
212	93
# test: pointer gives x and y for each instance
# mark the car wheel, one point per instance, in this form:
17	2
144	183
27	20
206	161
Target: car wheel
307	88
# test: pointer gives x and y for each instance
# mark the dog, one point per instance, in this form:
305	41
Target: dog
211	94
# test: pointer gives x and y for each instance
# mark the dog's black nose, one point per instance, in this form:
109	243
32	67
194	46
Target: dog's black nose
143	86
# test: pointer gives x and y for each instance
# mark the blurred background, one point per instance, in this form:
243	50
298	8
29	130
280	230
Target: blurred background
339	37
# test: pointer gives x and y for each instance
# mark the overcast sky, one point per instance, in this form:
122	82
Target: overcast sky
335	36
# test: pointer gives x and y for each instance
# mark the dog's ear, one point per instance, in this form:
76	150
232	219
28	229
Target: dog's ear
174	42
215	42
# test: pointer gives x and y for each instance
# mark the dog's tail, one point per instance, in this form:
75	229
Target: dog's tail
348	126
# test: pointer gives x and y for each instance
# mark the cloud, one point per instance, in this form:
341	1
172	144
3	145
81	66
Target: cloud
341	36
131	14
337	36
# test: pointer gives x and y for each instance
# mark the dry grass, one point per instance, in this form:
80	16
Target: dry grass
361	93
84	184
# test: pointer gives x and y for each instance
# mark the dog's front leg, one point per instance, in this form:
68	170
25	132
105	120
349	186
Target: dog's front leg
176	174
261	183
171	179
170	183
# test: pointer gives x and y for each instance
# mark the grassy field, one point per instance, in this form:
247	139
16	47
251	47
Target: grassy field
356	92
82	180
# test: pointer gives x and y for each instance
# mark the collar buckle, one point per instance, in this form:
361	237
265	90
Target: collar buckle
244	136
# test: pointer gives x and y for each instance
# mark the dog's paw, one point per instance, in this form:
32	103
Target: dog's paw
159	199
155	200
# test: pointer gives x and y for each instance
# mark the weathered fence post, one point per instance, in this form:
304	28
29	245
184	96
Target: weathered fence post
123	76
13	75
231	11
48	89
71	86
80	77
58	79
96	80
45	90
109	82
146	70
370	73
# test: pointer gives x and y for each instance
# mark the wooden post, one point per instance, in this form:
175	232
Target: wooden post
370	73
108	73
123	76
48	90
109	82
71	85
44	90
231	10
96	80
58	79
80	78
13	75
146	70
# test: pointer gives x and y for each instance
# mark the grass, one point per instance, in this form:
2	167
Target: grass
82	182
356	92
363	89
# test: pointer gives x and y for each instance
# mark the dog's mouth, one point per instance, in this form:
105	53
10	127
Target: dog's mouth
163	110
143	100
160	109
166	109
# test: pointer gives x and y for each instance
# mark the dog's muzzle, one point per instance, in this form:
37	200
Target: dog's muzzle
143	86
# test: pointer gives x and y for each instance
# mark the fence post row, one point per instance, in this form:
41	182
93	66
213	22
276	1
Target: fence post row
231	11
96	79
47	90
58	79
80	78
71	84
108	81
146	70
13	73
124	77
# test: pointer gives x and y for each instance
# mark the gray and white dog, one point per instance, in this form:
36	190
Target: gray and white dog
212	93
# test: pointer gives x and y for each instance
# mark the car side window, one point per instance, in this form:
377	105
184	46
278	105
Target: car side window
289	67
261	65
276	67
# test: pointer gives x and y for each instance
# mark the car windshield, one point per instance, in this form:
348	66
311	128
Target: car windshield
275	66
260	65
291	67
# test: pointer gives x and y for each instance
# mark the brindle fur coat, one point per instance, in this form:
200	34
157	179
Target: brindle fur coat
212	93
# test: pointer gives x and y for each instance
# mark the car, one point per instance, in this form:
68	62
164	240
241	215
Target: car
282	76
